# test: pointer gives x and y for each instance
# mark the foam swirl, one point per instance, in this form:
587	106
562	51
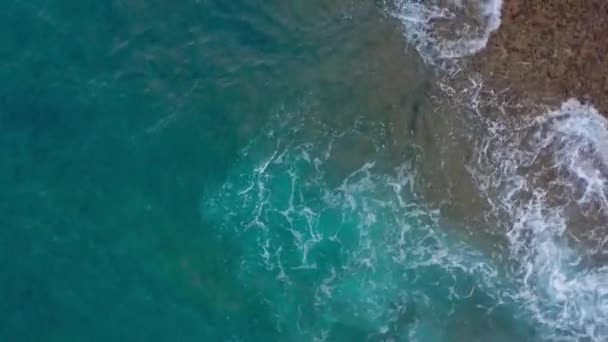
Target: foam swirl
448	29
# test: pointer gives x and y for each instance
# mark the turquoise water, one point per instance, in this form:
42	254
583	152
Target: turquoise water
358	259
227	171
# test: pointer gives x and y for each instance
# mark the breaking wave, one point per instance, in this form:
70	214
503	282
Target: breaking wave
546	180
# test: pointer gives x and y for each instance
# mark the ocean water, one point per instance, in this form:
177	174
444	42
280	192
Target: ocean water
287	171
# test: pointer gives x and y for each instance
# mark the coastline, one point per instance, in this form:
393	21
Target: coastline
547	53
531	92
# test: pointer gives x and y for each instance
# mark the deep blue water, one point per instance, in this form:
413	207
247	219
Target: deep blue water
225	171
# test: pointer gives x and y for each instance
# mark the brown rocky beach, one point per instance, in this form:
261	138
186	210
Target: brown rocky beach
548	51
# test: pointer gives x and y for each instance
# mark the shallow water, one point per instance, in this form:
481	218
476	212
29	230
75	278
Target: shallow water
283	171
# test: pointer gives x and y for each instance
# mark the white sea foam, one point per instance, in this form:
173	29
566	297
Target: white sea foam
449	29
547	177
580	137
391	247
389	241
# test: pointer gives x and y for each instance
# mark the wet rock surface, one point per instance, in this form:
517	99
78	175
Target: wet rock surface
548	51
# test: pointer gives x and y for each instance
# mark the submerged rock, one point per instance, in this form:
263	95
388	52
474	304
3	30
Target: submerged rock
549	51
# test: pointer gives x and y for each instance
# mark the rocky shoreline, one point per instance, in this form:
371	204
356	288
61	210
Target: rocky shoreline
548	51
